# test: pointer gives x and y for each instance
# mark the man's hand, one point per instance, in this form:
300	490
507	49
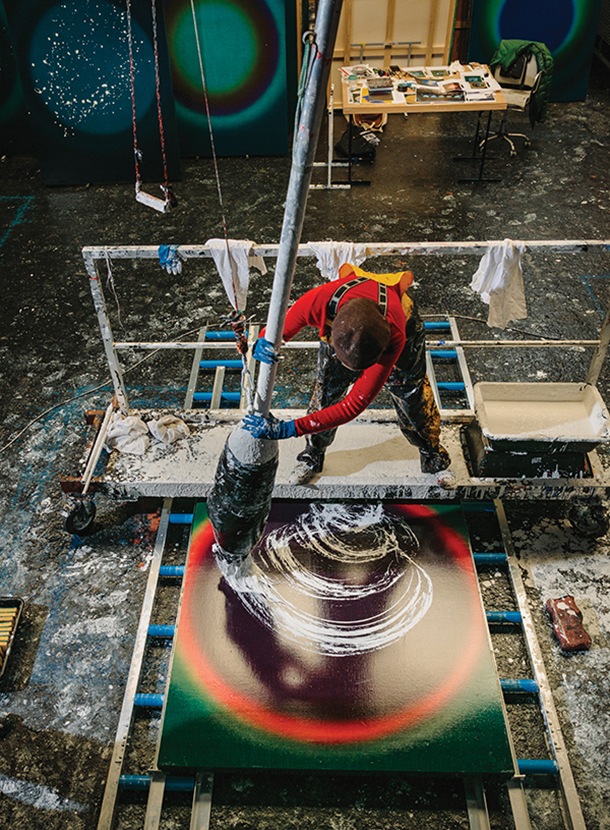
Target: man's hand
269	428
264	352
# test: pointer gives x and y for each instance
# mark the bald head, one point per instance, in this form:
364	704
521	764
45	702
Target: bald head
360	333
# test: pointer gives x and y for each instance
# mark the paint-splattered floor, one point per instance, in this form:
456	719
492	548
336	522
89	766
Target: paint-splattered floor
60	697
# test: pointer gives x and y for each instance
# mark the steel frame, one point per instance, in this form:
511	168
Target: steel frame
93	254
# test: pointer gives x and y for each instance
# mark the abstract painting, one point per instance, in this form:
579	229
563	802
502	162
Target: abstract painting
353	638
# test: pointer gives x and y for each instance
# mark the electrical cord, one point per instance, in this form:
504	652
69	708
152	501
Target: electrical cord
516	331
88	392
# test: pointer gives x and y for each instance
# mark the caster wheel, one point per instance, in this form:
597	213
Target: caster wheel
80	519
589	519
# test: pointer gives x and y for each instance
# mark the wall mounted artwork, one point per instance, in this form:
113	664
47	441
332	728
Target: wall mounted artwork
353	639
567	27
242	46
73	61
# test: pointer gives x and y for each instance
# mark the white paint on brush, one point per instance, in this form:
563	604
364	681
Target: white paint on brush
348	535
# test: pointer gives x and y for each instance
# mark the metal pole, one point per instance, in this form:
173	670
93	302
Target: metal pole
327	21
106	331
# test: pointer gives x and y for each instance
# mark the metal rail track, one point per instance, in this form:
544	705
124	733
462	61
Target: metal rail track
198	787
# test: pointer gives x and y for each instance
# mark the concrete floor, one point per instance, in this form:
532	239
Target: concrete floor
61	694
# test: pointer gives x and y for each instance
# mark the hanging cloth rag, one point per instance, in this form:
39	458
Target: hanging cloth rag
235	270
331	256
499	281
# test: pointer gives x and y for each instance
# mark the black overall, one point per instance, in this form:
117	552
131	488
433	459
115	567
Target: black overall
408	385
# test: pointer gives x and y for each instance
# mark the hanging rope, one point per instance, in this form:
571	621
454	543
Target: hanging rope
310	54
169	200
169	196
213	147
110	284
237	319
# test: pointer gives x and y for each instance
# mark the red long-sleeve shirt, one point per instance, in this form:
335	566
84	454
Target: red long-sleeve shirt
310	310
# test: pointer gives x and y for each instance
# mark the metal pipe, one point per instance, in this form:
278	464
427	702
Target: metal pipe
327	21
475	248
106	332
310	344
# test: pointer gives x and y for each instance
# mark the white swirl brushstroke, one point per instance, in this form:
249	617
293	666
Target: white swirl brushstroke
349	535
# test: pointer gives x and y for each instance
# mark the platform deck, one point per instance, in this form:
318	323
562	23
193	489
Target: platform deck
369	459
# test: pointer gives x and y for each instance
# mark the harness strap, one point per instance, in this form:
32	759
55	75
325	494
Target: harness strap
333	303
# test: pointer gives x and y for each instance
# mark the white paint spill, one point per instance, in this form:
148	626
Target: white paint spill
348	535
37	795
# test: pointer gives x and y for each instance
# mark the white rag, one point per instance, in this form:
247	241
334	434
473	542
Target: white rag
331	256
234	270
168	429
499	281
128	434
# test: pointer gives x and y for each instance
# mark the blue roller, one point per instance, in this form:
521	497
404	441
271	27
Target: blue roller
534	767
225	396
438	325
450	386
513	617
220	335
490	558
181	518
142	782
171	570
444	354
161	630
149	701
524	685
213	364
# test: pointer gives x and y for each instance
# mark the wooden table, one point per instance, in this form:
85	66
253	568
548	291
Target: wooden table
410	104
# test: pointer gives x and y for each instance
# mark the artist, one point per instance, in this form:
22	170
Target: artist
370	336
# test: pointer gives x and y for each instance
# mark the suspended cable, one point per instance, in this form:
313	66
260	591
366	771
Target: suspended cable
237	319
169	200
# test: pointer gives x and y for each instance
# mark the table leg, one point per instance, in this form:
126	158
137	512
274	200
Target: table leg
480	158
352	182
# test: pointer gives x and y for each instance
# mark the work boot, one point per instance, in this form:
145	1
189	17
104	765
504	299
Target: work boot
434	461
309	464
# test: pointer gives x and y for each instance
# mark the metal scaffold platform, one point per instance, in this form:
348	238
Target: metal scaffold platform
368	464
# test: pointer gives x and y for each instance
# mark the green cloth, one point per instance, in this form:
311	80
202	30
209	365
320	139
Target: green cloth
509	51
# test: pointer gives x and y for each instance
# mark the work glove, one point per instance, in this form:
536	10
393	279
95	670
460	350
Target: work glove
264	352
170	259
270	427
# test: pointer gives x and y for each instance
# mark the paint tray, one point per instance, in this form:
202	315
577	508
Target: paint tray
10	613
541	417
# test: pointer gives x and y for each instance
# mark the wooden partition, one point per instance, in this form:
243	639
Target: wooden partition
384	32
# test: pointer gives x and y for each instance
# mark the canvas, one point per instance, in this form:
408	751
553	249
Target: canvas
355	639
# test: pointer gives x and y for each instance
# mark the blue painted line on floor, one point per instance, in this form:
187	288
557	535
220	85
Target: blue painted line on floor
25	202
